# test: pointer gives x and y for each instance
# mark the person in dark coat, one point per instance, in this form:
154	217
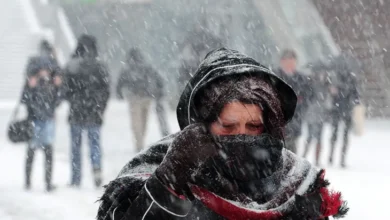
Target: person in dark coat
318	109
141	84
228	161
42	94
301	85
88	90
345	98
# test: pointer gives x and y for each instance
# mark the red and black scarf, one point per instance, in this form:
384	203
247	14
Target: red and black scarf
302	194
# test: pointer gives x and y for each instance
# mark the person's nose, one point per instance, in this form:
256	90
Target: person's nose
242	129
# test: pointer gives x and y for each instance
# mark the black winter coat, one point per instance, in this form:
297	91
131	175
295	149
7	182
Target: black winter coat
42	100
87	90
36	63
302	87
347	95
138	194
140	79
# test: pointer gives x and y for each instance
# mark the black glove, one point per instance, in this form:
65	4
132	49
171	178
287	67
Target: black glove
185	157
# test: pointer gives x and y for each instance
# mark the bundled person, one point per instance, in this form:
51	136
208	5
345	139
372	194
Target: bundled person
87	91
345	97
228	161
42	94
301	85
318	109
141	84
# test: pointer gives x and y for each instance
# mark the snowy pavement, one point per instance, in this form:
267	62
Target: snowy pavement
364	184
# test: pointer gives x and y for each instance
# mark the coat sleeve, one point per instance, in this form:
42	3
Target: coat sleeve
103	91
70	84
137	193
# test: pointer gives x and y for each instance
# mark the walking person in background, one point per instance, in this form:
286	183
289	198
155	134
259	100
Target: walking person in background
88	90
41	95
345	98
141	84
317	110
300	83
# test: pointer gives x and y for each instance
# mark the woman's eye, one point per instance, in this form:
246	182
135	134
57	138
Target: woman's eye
256	127
228	125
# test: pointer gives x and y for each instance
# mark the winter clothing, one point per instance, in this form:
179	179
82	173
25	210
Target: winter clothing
139	111
248	158
37	63
344	100
337	120
196	175
48	150
185	158
139	78
317	111
246	89
88	87
41	101
137	192
88	91
94	146
142	85
44	132
43	138
223	63
347	95
301	85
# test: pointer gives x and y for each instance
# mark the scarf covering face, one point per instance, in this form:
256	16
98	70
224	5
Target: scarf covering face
301	193
244	158
247	89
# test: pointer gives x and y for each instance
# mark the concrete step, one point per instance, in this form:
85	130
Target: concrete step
17	43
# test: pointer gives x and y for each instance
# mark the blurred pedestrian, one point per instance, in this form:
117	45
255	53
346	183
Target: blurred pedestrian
345	97
140	84
301	85
88	90
317	110
42	94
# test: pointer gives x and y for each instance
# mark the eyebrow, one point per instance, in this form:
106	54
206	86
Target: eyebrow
256	121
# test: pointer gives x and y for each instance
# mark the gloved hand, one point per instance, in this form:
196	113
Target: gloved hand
185	157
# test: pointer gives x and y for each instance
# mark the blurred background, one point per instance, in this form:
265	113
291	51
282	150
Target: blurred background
318	30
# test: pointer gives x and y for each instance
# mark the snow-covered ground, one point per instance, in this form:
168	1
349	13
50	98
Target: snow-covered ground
364	184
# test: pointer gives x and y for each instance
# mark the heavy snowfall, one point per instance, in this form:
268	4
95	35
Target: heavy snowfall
165	32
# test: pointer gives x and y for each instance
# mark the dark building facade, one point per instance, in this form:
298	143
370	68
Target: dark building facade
363	28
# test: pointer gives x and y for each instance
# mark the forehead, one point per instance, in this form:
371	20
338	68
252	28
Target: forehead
238	110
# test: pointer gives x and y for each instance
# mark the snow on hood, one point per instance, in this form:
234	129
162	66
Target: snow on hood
222	63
